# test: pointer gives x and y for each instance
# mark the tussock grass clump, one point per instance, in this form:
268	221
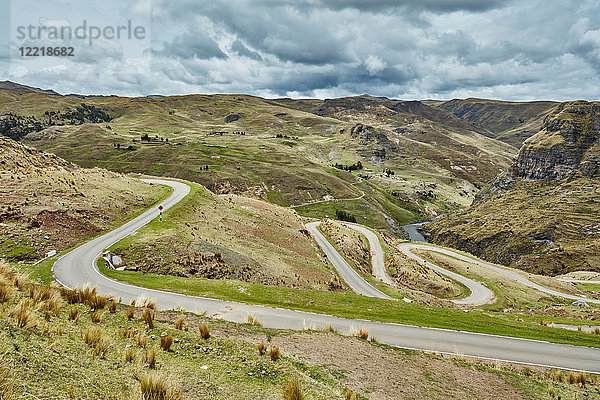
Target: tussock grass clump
92	335
179	323
274	353
361	333
74	314
96	316
141	340
329	328
6	381
596	331
53	304
150	358
24	315
129	355
293	389
551	392
148	317
204	331
71	296
373	339
130	313
112	306
21	281
144	301
39	293
250	319
556	375
166	341
262	347
128	333
350	395
6	292
157	386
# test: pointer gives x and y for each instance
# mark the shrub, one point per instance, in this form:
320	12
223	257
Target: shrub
179	323
148	317
204	331
166	341
130	312
74	314
274	353
24	315
293	390
262	347
156	386
252	321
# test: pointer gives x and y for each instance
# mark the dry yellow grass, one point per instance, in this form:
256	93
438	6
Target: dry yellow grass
361	333
150	358
157	386
96	316
250	319
204	331
262	347
74	314
274	353
148	317
179	323
24	315
130	312
129	355
166	341
293	389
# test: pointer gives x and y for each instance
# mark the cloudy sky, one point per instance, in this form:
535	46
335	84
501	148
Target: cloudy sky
407	49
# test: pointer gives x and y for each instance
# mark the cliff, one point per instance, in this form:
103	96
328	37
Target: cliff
543	213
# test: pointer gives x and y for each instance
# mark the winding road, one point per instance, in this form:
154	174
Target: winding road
79	267
407	247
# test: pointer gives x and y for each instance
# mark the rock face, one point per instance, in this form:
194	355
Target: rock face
564	146
539	215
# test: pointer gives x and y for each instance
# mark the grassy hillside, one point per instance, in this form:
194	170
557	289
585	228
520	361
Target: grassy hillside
229	237
63	345
510	122
50	204
542	214
278	150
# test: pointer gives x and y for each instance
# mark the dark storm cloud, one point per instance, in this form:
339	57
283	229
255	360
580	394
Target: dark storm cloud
192	45
518	50
399	5
238	47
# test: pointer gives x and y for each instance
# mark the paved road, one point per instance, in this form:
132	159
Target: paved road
78	267
479	293
377	254
406	249
352	278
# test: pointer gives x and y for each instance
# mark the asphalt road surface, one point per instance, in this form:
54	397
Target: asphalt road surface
406	248
78	267
352	278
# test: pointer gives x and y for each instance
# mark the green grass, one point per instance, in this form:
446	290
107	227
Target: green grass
349	305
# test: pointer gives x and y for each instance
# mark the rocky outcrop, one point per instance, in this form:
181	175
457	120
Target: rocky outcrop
564	146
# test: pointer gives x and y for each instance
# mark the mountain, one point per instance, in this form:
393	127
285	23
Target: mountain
543	213
511	122
23	89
